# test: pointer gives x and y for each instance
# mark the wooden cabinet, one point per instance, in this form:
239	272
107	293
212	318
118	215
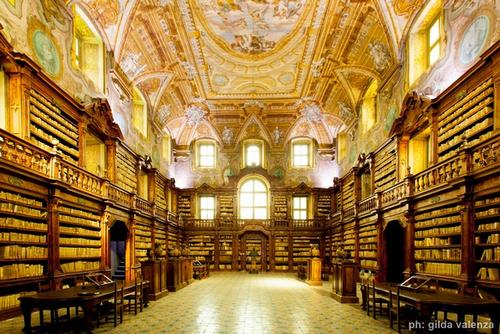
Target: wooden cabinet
155	271
179	273
345	276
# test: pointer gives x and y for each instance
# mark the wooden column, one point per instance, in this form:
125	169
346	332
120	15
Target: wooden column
235	252
216	251
290	252
54	265
111	159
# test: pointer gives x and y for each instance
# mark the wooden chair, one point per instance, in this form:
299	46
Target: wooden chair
113	306
383	302
136	298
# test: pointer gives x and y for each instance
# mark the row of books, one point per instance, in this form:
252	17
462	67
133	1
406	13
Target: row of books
433	214
65	209
82	221
489	226
17	208
17	270
489	212
20	252
491	254
12	301
19	223
448	269
368	263
22	237
367	253
491	200
488	274
78	230
80	241
426	242
18	198
439	254
437	221
437	231
80	266
79	251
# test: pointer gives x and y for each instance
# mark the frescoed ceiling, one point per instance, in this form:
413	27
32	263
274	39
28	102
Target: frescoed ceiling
276	60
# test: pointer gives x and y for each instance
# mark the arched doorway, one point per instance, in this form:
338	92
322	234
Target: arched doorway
394	242
118	235
251	242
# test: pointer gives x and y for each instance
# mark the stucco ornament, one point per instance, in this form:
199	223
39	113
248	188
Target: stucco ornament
312	113
380	55
194	115
227	136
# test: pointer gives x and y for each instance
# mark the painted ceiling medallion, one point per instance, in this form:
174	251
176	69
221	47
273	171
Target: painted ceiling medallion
312	113
252	26
194	115
380	55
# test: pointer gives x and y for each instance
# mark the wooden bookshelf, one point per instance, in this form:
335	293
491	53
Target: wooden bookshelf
302	249
226	206
348	191
281	249
385	166
126	169
487	237
349	240
23	236
184	206
79	237
337	240
280	207
438	240
160	191
368	246
323	205
160	237
225	252
471	118
143	237
202	247
49	124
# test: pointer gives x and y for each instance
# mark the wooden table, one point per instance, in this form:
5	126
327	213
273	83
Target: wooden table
426	302
70	297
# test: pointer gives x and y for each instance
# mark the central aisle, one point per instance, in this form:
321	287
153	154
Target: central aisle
237	302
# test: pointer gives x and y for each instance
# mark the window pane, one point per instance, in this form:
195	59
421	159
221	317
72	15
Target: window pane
259	186
206	161
253	155
260	213
260	199
296	201
300	160
246	213
434	54
303	214
206	149
434	33
246	200
247	187
207	214
303	202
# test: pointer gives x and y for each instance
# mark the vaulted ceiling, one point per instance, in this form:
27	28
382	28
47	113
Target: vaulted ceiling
301	66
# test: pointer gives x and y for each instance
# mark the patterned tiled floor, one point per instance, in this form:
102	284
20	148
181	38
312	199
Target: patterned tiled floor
243	303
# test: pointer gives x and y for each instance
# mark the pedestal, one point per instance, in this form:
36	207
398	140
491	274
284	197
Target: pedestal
155	271
345	276
253	267
314	272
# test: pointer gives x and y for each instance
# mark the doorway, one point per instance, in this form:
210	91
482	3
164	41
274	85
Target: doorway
394	237
118	234
253	245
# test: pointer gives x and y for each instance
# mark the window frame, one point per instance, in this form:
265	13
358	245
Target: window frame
243	205
198	145
305	209
437	43
201	209
302	141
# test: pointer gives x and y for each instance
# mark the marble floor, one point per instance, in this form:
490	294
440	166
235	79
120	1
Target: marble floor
238	302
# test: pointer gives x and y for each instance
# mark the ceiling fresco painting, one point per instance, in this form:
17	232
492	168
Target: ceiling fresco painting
250	59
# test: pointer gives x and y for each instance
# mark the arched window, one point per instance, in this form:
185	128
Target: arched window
140	113
88	49
254	199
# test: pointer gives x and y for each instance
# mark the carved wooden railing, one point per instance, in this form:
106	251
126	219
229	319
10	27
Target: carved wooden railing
349	212
227	223
308	223
395	193
368	204
161	212
245	222
119	195
22	153
440	173
486	154
280	223
144	205
202	223
172	217
77	177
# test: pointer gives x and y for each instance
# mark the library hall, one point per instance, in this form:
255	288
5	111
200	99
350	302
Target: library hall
250	166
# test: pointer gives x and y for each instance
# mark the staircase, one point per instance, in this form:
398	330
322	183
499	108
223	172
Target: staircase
119	273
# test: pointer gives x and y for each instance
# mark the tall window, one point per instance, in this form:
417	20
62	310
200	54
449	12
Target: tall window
88	49
253	200
301	153
207	207
434	37
206	155
166	148
140	113
95	155
420	151
253	155
299	207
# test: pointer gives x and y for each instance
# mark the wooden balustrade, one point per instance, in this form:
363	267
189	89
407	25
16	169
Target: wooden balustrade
439	174
144	205
368	204
78	177
307	223
395	193
24	154
349	212
119	195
